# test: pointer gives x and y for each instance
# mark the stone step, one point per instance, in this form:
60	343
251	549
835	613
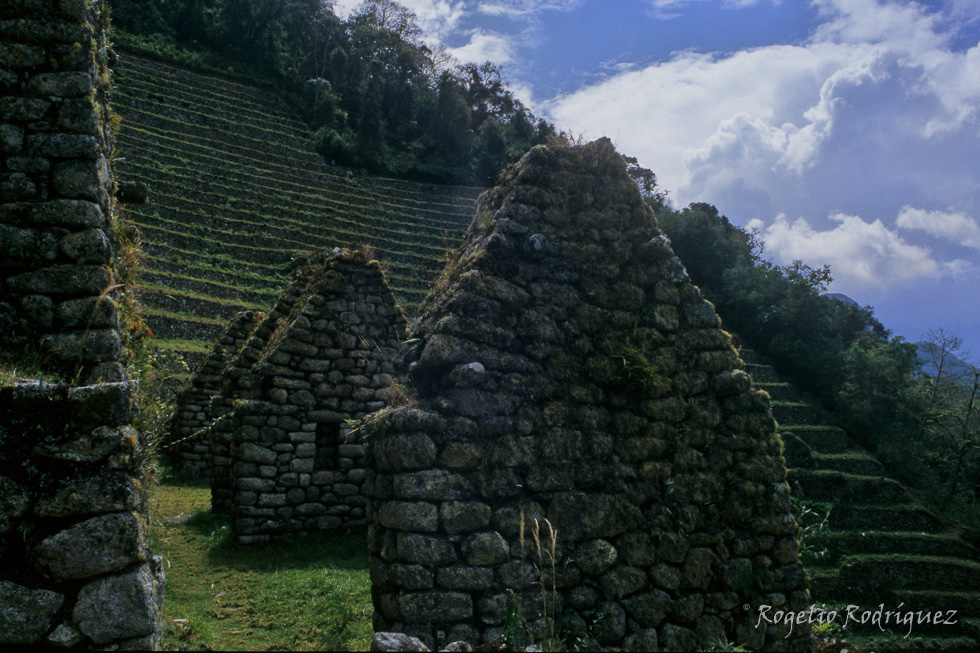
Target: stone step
792	413
896	643
761	373
797	452
894	518
838	487
821	439
779	391
965	602
857	462
872	574
843	543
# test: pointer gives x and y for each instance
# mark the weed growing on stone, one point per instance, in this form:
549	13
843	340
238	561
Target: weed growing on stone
814	525
520	631
634	370
723	645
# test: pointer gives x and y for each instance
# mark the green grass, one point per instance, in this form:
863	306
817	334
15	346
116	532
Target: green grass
181	344
306	593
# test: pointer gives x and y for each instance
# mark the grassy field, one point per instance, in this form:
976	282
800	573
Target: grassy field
306	593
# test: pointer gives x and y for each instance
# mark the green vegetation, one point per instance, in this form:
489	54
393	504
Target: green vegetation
308	593
373	94
924	422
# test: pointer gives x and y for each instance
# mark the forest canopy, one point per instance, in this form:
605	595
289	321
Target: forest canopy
374	94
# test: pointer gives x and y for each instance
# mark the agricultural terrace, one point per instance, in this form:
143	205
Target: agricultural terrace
237	194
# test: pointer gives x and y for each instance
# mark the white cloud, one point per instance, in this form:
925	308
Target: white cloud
689	114
957	227
523	8
485	46
667	9
860	254
714	126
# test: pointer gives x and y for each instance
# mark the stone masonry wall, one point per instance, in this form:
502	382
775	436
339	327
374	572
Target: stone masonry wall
75	563
191	439
295	462
584	458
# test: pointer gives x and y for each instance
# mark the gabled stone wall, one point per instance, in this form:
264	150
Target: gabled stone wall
287	455
585	458
191	439
75	562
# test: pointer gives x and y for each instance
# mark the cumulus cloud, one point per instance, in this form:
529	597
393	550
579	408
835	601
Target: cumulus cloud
861	254
957	227
485	46
873	75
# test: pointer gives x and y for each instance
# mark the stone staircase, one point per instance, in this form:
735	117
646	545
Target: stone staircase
878	545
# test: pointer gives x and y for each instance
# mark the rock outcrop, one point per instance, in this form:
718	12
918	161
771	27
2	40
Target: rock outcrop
584	457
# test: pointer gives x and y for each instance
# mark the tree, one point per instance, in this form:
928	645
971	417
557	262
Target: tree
646	181
948	414
390	16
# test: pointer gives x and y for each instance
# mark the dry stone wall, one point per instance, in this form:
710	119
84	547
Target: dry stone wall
192	417
286	451
584	450
75	563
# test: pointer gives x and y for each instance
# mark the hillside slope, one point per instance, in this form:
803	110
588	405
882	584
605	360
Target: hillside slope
877	545
237	193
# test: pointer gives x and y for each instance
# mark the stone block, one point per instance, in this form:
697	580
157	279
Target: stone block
105	404
26	614
433	484
465	578
62	85
28	164
62	280
409	516
71	214
22	109
485	548
87	312
411	577
17	245
64	146
39	309
257	454
424	549
79	180
14	504
118	607
464	516
20	56
93	547
11	138
434	606
75	115
17	186
622	581
103	492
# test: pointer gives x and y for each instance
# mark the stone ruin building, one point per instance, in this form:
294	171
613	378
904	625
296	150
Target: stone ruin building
285	453
77	570
582	448
190	428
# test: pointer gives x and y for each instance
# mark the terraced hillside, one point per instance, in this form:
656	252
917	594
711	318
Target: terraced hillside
879	546
237	194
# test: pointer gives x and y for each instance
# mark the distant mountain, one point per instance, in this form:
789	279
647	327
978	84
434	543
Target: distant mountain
929	355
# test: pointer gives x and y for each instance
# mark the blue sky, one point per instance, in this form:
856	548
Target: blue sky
846	132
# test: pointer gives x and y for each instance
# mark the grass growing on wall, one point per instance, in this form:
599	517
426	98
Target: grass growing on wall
305	593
